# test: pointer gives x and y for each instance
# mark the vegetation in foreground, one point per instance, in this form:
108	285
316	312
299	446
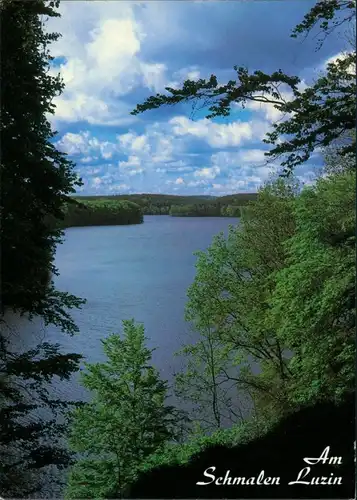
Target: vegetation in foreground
272	333
282	295
126	421
278	450
36	182
278	292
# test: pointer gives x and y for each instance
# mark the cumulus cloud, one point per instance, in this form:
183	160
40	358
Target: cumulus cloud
132	166
87	159
102	62
219	135
134	143
208	172
190	73
96	181
75	144
333	59
153	147
83	144
238	159
113	55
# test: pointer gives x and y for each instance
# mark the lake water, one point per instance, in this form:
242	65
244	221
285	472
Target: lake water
137	271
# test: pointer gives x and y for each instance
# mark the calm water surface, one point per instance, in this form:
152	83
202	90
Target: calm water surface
139	271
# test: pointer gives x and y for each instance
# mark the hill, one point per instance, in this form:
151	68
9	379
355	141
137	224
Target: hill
180	205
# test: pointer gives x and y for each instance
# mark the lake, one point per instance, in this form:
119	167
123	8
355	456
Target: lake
137	271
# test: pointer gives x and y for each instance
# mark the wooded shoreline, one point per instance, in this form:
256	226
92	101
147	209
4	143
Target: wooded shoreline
130	209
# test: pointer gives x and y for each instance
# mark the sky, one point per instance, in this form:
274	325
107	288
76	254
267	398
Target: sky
114	54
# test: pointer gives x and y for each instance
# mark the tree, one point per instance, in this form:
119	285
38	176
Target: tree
336	163
103	213
30	442
312	307
204	383
314	117
126	420
326	13
231	211
36	180
228	301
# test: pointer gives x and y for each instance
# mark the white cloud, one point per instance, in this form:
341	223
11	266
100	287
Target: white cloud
248	184
238	159
190	73
252	156
219	135
133	161
153	148
134	143
96	182
269	111
154	76
333	59
83	144
75	144
177	182
132	166
208	172
87	159
199	183
102	62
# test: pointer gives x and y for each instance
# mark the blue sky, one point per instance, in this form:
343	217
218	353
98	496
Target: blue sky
114	54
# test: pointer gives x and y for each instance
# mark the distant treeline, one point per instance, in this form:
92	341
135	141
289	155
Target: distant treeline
206	210
194	206
99	212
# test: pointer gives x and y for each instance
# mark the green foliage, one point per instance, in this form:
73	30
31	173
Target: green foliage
180	454
125	422
334	163
102	213
229	299
319	115
36	179
28	445
231	211
325	13
313	304
156	209
205	210
278	291
203	383
196	210
314	116
162	204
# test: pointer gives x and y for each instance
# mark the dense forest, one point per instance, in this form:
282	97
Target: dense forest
279	290
101	213
206	210
197	206
116	210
